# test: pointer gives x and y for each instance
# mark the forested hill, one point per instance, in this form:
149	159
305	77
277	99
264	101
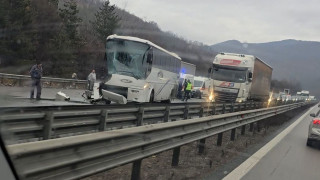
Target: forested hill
69	35
193	52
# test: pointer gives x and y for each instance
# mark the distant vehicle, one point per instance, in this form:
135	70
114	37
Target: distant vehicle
139	71
184	77
203	87
187	68
286	91
187	72
303	95
314	128
312	98
238	78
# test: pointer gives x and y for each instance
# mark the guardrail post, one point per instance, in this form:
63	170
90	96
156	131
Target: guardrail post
233	134
243	130
175	157
20	82
223	108
258	126
103	120
186	112
167	114
202	143
140	116
219	140
201	110
251	127
47	126
136	169
232	107
213	108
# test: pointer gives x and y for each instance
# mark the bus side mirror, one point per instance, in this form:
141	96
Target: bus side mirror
250	76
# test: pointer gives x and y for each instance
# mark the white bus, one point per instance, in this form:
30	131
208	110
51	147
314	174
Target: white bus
139	71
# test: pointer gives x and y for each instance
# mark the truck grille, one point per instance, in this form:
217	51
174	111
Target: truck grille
116	89
225	96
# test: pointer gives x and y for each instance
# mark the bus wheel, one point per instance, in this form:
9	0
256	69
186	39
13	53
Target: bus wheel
151	97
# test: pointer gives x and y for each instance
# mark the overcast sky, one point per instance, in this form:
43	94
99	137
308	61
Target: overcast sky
214	21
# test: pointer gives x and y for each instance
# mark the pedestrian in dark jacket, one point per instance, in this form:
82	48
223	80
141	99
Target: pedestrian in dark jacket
36	75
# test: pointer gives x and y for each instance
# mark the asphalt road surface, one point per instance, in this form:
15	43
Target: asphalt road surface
289	159
18	96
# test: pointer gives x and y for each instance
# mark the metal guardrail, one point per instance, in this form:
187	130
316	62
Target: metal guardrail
22	78
84	155
41	123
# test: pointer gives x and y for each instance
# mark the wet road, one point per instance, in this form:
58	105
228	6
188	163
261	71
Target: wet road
290	159
18	96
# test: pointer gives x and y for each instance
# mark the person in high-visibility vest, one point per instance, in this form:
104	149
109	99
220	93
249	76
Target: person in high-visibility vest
187	91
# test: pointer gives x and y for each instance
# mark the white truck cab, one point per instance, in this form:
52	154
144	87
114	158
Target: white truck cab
239	77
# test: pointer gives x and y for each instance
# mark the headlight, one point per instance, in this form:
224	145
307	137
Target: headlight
146	86
211	97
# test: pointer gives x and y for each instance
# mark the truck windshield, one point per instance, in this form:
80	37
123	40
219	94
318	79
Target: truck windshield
230	75
198	83
127	58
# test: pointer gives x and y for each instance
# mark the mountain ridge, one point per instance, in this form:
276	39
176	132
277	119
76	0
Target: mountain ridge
291	59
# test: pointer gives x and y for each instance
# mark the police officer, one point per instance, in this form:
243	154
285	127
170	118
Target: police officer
36	75
187	90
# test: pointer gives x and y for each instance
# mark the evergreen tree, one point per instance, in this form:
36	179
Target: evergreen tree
71	21
16	38
106	21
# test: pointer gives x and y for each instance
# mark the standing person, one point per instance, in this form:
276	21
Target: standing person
36	75
74	76
180	89
187	91
92	79
185	84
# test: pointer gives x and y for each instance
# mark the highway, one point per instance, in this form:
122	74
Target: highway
286	158
18	96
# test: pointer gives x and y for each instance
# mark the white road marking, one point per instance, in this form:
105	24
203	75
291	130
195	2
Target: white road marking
246	166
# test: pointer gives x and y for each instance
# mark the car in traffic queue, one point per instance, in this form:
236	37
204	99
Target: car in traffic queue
314	129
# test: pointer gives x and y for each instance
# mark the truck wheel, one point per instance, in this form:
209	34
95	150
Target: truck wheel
151	97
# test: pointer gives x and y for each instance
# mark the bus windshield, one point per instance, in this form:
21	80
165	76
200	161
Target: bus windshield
127	58
230	75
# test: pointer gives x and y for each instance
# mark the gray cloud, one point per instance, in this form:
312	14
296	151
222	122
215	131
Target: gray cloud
213	21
